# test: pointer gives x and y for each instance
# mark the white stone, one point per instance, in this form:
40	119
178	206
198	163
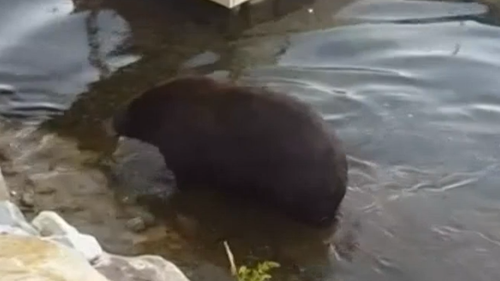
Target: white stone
87	245
49	223
55	228
151	268
33	259
10	215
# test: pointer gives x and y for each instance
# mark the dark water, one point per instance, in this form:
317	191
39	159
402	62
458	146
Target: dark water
411	87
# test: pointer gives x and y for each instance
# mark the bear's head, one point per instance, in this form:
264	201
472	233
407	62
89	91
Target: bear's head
137	119
143	117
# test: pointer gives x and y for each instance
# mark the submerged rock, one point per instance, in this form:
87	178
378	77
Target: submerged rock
28	200
140	170
151	268
137	224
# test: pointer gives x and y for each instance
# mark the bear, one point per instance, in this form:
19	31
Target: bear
259	144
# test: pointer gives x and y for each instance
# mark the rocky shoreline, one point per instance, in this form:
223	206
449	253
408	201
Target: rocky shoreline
49	248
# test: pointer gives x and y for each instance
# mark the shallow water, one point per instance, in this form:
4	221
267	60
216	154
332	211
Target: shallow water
410	86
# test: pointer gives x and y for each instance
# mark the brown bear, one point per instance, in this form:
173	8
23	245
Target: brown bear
264	145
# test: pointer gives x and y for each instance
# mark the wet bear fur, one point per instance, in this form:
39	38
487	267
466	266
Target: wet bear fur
263	145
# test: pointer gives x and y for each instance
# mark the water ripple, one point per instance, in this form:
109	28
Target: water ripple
50	55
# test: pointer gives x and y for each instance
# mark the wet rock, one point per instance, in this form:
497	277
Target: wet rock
8	170
70	208
151	268
140	223
207	272
28	199
45	189
4	190
148	218
155	235
203	59
29	258
136	224
140	171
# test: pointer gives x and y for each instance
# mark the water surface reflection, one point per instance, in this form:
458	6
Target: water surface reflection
46	61
419	103
411	87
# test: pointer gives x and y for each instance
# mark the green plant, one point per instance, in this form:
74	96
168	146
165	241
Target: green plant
259	273
244	273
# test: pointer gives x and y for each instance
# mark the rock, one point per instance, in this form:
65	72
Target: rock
7	229
29	258
203	59
4	190
50	223
140	223
51	249
140	170
85	244
155	235
136	224
66	254
45	189
28	199
207	272
55	228
11	216
151	268
8	169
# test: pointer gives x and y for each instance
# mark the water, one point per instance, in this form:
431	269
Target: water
410	86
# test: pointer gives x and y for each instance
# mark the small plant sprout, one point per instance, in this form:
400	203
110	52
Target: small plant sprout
244	273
